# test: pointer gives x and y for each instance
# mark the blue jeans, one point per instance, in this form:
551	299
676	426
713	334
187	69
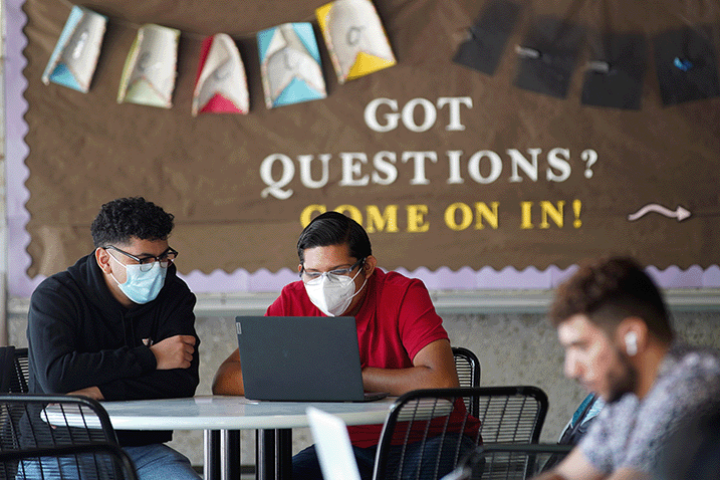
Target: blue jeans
305	464
152	462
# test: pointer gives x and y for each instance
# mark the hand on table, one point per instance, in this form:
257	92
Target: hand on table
92	392
174	352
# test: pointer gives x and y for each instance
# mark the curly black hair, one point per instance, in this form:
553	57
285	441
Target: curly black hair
123	218
608	290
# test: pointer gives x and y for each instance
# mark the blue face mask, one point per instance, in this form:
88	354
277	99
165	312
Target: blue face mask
142	287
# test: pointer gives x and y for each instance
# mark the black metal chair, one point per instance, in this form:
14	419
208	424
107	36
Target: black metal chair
30	423
7	368
109	462
467	366
14	368
512	414
509	461
19	381
434	425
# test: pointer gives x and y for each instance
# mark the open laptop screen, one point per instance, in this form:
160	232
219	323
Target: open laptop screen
300	358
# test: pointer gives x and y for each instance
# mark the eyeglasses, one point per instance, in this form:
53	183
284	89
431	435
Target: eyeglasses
340	272
146	262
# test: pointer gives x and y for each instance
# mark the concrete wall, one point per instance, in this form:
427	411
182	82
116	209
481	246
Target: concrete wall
514	349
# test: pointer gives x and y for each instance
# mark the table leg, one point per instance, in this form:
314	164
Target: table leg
283	454
265	454
230	455
211	470
273	454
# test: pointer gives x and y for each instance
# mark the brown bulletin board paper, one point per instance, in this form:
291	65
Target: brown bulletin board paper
596	165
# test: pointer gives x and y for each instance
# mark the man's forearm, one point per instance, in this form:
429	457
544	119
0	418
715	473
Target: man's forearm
92	392
176	383
551	475
228	380
573	467
401	380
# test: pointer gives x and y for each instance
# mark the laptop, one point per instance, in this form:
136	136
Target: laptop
296	359
332	443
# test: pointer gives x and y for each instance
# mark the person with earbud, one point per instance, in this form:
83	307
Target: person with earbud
614	326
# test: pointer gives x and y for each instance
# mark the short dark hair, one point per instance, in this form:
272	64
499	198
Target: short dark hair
130	217
333	228
608	290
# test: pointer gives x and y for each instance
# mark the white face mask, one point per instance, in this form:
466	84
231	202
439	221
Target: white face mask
332	294
142	286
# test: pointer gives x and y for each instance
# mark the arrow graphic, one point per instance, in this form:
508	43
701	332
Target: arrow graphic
680	213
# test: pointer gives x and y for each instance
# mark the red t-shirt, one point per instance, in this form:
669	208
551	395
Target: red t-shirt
397	320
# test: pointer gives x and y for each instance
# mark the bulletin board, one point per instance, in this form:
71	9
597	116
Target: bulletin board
508	141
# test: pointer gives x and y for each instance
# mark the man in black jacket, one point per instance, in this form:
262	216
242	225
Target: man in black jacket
119	325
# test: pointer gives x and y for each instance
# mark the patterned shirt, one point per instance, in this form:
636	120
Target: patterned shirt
630	433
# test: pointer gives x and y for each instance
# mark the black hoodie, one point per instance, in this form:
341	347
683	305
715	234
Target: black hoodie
80	336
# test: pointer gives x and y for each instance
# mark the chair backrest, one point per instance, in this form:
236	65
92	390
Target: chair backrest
19	382
509	461
467	366
512	414
7	368
30	422
109	462
434	426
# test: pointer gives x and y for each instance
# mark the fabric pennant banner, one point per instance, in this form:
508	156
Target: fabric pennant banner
548	55
73	61
488	37
149	74
686	65
290	65
221	84
614	76
355	38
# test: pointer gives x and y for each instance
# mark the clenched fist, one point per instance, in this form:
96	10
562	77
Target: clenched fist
174	352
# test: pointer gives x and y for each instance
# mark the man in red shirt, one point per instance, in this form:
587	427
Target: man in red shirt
403	345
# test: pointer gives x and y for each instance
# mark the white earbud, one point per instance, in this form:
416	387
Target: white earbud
631	343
